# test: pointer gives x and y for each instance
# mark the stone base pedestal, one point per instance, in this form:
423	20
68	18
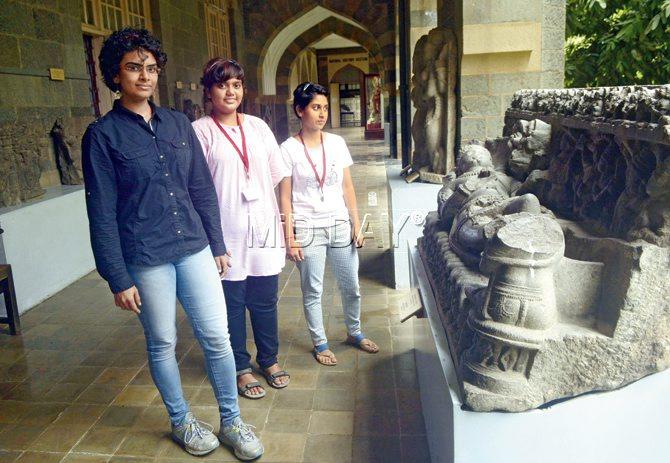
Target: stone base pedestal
46	241
620	426
409	203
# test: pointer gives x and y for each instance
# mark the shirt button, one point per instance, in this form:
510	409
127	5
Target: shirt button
178	232
166	174
174	213
161	156
171	194
153	138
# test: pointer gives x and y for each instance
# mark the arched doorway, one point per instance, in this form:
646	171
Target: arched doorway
346	96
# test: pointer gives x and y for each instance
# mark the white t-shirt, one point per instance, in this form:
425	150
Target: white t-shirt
310	209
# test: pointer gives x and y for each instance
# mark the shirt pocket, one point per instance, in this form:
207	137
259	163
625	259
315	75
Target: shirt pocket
136	163
182	154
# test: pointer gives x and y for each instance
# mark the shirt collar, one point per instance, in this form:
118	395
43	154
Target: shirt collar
155	110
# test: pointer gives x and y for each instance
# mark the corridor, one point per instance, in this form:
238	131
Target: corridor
76	388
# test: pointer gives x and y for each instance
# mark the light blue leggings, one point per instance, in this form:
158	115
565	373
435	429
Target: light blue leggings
335	245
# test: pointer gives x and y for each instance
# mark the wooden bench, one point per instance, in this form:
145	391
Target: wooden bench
7	288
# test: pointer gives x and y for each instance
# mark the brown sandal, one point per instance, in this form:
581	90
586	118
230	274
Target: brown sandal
325	352
363	343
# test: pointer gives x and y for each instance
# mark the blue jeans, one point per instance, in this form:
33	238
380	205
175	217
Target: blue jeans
259	295
195	281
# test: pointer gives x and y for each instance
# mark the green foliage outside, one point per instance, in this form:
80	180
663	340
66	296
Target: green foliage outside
617	42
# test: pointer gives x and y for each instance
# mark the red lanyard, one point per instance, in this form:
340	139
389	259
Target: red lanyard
309	159
242	153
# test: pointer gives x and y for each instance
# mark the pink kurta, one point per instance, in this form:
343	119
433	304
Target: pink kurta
251	228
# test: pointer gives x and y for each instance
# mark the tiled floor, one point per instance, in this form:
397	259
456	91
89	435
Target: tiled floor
75	387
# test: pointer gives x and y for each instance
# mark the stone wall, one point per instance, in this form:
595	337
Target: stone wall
608	164
36	36
181	27
262	21
508	45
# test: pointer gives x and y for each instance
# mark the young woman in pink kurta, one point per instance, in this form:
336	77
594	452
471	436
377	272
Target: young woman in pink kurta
246	165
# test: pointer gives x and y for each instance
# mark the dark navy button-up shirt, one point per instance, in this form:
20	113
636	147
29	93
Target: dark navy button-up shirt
149	194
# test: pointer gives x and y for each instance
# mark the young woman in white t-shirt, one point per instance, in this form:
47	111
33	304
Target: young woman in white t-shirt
321	218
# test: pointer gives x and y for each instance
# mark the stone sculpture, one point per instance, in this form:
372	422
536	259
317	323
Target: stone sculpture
63	146
541	305
433	95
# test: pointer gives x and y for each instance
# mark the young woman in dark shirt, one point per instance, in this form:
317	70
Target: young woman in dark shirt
156	236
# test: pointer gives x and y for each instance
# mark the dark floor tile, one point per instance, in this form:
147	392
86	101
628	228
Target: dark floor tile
376	449
370	422
414	449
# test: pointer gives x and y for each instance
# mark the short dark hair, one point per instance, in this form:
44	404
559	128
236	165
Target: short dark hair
220	70
305	93
124	41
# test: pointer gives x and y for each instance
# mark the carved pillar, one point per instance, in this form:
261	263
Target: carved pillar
518	307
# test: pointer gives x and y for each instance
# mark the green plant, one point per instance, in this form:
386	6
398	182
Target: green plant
617	42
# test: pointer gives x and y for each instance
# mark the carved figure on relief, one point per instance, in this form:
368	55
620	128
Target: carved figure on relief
433	96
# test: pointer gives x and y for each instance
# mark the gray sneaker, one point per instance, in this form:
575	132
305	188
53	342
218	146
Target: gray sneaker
195	436
242	439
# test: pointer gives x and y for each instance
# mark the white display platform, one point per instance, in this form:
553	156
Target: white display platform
628	425
46	241
409	203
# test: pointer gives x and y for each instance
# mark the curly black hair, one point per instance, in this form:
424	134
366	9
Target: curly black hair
124	41
305	93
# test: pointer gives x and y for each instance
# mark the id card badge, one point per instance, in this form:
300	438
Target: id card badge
250	192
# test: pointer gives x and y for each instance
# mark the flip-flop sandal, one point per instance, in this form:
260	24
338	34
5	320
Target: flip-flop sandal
357	341
244	391
319	351
272	379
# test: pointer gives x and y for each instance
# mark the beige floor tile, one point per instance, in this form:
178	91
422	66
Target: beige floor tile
154	417
80	414
294	399
334	400
85	458
40	457
335	379
328	449
58	438
116	375
102	394
120	416
303	379
142	443
329	422
283	447
42	414
288	421
101	439
83	375
19	436
136	396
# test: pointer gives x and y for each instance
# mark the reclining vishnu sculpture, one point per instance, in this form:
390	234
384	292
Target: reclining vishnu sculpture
539	307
